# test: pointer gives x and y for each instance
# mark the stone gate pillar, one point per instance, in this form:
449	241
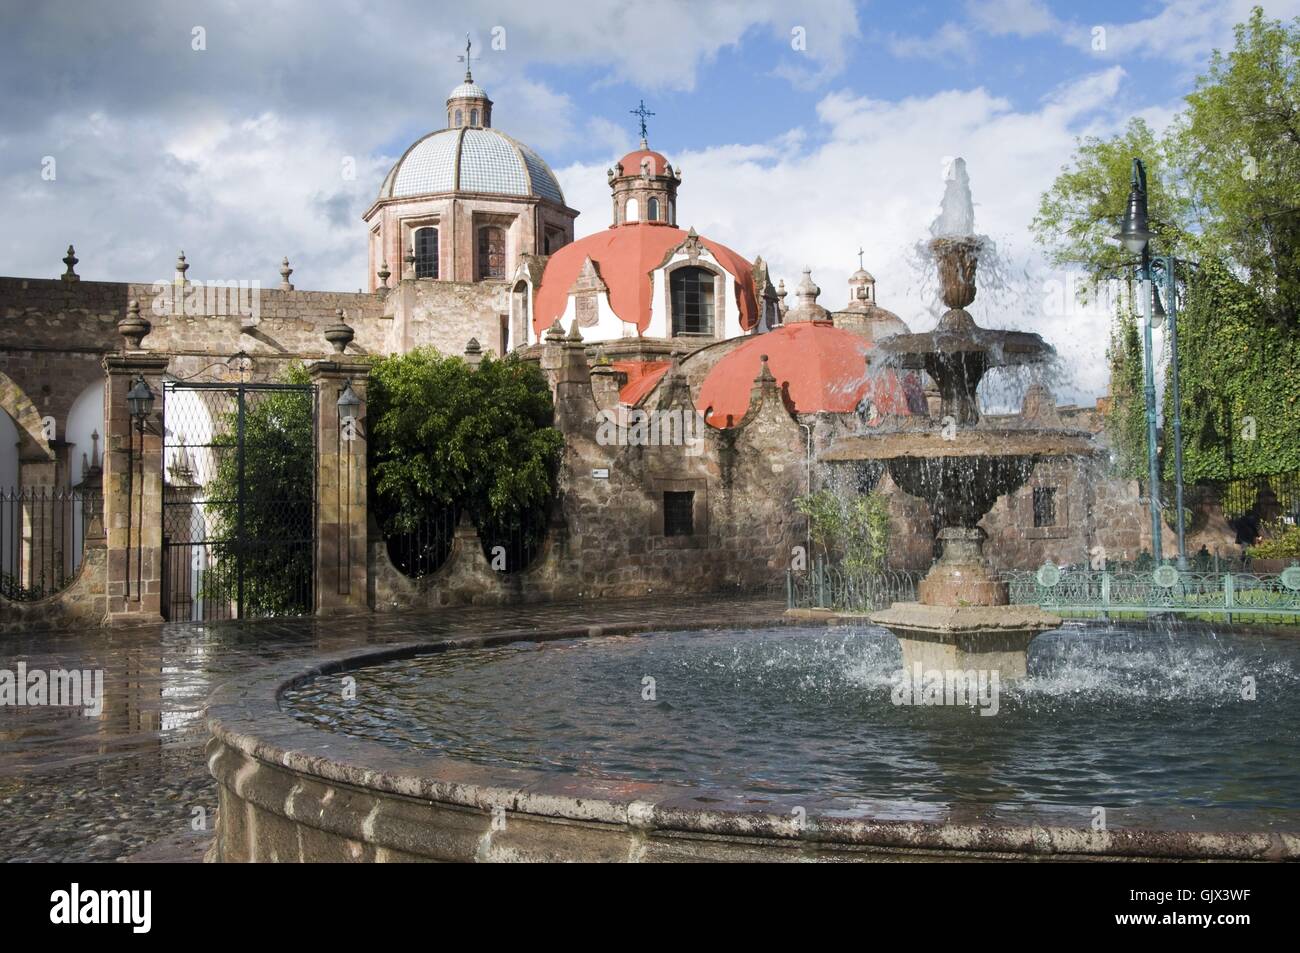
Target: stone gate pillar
342	574
133	490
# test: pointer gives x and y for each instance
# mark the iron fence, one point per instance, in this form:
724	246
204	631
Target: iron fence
829	587
239	500
1162	591
1076	593
424	548
43	538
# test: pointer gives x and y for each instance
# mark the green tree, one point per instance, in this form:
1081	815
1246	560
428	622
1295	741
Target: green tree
853	529
1224	190
273	507
1126	423
1240	375
1239	143
1079	215
442	434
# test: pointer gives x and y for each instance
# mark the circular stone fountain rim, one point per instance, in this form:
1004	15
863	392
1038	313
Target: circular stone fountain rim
247	716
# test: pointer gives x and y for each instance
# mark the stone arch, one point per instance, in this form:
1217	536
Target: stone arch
31	433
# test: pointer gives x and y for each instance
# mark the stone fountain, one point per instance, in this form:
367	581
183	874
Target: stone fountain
961	464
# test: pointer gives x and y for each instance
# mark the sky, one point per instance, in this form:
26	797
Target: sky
245	132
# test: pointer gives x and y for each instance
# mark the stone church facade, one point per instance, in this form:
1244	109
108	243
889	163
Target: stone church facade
472	250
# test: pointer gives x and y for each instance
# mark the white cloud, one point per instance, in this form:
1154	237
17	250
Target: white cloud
950	42
1183	31
1022	18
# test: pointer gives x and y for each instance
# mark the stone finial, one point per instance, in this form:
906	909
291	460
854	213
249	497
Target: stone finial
340	333
182	266
285	272
575	336
383	274
409	261
134	326
473	353
806	307
555	334
70	259
764	372
780	294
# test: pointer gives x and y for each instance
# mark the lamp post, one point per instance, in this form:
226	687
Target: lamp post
139	403
1135	234
1167	263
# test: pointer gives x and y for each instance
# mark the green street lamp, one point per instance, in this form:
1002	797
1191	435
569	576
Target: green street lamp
1135	234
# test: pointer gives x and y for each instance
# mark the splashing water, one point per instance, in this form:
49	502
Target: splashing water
956	217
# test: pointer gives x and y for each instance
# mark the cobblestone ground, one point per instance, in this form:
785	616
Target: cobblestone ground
131	784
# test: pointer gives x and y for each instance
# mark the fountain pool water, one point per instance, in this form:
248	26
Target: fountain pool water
1120	719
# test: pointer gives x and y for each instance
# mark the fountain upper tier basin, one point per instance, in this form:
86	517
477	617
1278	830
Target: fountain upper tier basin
958	336
935	444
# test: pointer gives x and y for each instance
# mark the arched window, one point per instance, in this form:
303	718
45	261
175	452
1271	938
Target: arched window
473	117
692	297
652	210
426	252
458	117
633	213
672	212
491	252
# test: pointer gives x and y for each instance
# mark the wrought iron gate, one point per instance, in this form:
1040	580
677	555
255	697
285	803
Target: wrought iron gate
238	500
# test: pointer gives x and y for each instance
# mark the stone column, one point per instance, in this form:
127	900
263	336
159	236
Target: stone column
342	580
40	553
133	491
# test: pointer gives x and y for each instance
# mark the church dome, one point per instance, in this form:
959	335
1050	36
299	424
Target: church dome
819	367
626	257
468	90
631	162
471	159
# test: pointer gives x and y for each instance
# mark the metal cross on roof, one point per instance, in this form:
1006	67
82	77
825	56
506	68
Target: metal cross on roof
860	257
465	58
644	114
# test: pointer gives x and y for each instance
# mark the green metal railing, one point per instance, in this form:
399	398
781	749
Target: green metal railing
829	587
1075	593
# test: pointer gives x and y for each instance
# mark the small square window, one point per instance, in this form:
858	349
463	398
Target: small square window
679	513
1044	506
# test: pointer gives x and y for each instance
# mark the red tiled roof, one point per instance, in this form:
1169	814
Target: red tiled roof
625	255
631	162
824	366
642	376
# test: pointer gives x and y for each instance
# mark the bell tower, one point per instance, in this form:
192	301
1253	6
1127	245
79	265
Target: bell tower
644	183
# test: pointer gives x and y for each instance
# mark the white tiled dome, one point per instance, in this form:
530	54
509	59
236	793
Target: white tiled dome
471	160
468	90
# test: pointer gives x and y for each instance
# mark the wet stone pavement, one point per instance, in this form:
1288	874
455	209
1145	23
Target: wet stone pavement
132	784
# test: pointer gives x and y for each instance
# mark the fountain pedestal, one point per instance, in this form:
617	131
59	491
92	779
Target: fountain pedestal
962	577
963	620
965	638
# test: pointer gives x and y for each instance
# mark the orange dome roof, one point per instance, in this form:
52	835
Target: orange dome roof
625	256
631	162
818	366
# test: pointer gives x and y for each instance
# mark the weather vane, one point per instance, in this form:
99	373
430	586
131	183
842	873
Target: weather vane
465	58
644	114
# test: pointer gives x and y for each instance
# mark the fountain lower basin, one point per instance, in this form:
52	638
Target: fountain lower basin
785	746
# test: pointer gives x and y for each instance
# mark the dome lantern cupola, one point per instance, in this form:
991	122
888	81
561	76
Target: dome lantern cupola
468	104
644	184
